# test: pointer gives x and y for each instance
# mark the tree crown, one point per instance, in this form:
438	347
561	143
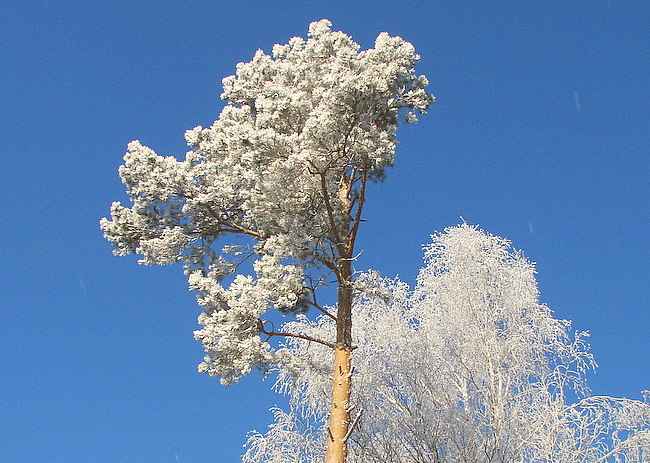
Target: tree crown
286	164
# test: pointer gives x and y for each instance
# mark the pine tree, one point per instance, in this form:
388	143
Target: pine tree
286	164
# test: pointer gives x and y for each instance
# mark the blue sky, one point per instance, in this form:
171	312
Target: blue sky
539	133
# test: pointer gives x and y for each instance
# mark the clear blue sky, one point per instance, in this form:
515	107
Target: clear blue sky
540	133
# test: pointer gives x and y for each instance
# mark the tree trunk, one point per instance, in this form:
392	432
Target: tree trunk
342	374
340	414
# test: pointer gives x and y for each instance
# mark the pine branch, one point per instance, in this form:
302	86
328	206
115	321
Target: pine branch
293	335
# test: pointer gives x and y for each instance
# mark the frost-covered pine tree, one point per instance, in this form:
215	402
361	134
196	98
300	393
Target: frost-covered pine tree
286	164
467	368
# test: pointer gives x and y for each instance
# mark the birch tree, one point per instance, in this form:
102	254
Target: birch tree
468	367
286	164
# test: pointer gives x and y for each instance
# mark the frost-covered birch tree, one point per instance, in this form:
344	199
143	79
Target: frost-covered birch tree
468	367
286	164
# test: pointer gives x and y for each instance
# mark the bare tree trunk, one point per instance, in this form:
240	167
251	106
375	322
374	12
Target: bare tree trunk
342	375
340	414
339	425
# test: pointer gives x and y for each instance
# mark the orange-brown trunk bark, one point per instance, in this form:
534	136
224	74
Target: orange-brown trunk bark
340	413
339	425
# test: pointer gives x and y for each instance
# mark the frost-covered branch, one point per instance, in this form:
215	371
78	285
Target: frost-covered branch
292	335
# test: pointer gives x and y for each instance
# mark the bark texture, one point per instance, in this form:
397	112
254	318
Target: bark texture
340	412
